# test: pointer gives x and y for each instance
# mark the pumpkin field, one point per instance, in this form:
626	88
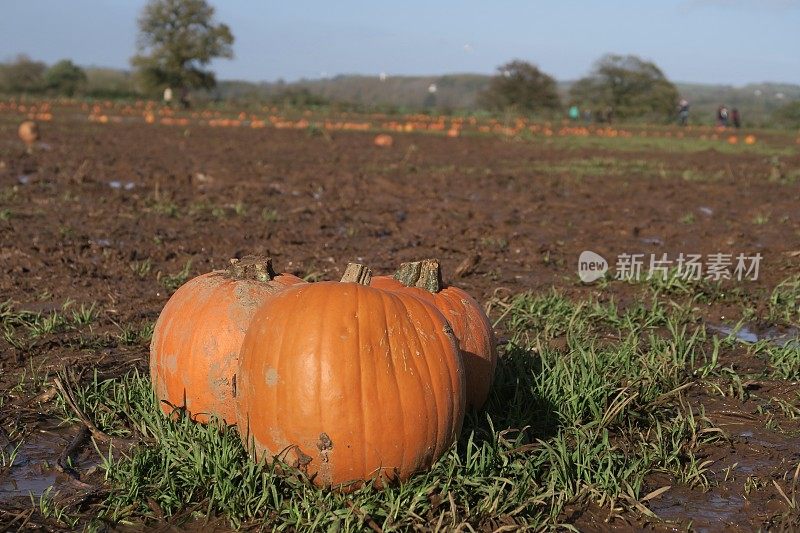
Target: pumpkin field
652	402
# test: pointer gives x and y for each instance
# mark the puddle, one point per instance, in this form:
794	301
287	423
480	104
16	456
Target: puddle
781	336
34	469
127	185
706	514
743	334
652	240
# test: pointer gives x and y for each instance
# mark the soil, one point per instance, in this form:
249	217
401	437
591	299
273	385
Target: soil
99	201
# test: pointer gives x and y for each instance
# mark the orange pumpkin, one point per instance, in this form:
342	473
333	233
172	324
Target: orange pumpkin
470	324
29	133
383	140
350	383
196	340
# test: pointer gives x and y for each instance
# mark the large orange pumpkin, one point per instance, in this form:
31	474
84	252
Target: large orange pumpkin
197	338
350	383
470	324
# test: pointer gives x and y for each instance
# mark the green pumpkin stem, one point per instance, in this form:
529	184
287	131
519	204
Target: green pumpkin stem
253	268
357	273
425	274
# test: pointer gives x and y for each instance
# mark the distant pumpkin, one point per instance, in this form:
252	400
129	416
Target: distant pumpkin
383	140
197	338
29	133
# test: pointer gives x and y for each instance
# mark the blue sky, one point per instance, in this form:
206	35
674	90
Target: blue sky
711	41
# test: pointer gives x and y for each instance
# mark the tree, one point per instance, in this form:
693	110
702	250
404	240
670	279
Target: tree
65	77
629	86
298	97
24	75
177	40
521	86
788	115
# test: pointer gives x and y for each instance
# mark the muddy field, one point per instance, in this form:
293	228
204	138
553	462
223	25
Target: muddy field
116	216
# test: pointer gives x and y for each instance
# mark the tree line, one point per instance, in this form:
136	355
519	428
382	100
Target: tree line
179	38
620	86
629	85
24	75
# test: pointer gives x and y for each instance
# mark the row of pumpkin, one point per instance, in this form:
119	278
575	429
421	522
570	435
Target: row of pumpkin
362	380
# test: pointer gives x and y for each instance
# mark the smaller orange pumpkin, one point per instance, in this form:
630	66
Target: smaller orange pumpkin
470	324
29	133
383	140
197	338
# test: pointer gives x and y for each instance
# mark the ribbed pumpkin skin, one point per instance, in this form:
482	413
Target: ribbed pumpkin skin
350	383
197	338
471	327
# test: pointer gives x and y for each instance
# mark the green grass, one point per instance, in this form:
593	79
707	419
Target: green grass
783	359
677	283
789	409
669	145
141	268
172	281
691	175
240	209
200	209
130	334
18	326
8	454
270	215
49	508
784	302
167	208
592	167
498	244
781	173
593	422
313	276
84	315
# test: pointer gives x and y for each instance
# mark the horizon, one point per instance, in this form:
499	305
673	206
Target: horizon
709	42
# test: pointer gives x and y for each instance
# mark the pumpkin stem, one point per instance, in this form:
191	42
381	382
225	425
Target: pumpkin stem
253	268
356	273
425	274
